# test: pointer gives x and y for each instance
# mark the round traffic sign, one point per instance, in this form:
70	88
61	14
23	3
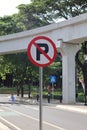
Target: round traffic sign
41	51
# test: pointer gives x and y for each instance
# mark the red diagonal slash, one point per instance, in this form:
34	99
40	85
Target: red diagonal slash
42	51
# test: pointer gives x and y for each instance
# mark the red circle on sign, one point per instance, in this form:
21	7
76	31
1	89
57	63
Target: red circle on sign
33	42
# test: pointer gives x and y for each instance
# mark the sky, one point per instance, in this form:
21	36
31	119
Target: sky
8	7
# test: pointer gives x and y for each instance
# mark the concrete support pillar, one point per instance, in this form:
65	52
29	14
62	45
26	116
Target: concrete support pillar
68	72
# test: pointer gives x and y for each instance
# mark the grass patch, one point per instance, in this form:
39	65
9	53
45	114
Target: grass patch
5	90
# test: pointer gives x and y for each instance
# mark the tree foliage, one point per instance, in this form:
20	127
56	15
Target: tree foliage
36	14
52	10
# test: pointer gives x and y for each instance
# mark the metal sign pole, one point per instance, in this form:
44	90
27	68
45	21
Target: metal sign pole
52	90
41	90
34	52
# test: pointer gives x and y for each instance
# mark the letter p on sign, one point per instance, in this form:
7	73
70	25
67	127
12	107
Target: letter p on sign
41	51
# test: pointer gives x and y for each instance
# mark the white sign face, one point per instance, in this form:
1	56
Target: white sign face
41	51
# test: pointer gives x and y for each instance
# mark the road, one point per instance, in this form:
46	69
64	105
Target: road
21	116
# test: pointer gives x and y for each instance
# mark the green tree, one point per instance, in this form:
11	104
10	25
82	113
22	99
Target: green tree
37	13
8	25
52	10
27	16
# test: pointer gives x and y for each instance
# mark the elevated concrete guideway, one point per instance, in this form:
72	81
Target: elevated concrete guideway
72	31
66	36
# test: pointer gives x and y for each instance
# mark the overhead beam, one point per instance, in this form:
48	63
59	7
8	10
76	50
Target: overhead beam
71	31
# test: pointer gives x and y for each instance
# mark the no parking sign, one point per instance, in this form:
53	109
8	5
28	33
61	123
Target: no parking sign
41	51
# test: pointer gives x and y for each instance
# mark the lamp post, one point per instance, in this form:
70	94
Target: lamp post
85	77
85	69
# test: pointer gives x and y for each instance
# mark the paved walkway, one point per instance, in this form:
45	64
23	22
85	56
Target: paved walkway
3	127
78	107
81	108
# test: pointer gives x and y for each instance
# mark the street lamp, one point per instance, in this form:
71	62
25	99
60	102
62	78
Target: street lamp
85	69
85	76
